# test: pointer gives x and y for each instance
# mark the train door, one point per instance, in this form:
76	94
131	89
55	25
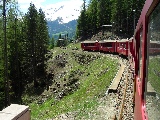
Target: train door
152	87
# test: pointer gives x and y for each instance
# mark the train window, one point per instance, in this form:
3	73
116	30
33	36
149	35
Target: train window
108	44
153	72
124	46
121	44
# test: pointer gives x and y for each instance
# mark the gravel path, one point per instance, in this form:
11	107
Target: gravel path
153	107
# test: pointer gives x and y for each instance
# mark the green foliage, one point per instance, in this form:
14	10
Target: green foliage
59	36
104	12
154	73
1	80
62	43
27	43
118	13
93	82
52	43
82	22
35	44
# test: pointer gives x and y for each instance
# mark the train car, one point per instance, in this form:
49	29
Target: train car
131	52
108	46
146	66
154	47
90	45
122	47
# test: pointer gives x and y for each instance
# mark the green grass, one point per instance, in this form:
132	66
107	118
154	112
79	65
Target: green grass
84	99
154	73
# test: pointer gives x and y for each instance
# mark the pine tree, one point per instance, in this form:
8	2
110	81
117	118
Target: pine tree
13	42
31	20
42	43
52	43
92	16
5	60
104	12
81	30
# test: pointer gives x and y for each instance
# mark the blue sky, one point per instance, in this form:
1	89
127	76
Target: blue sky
67	9
51	2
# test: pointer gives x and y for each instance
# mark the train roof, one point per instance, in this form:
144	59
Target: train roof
89	41
105	41
158	42
123	40
130	39
61	39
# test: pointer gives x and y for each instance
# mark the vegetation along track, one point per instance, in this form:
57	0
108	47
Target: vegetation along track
107	105
124	96
119	104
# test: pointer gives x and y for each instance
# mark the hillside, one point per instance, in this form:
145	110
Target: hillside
78	84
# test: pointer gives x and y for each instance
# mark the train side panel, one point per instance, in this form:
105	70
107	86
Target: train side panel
122	47
140	57
107	46
90	45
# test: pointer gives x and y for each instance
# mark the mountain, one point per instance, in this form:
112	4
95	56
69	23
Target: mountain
57	26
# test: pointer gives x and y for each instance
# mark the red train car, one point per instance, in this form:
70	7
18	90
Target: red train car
108	46
147	30
154	47
90	45
122	47
131	52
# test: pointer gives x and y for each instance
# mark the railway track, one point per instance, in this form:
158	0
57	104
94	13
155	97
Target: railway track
124	106
125	91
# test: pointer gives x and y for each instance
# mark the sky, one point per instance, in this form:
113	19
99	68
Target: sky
67	9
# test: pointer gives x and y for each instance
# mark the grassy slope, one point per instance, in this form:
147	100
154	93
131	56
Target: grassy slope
93	84
154	73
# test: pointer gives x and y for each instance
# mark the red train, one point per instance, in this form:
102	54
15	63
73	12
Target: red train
142	50
111	46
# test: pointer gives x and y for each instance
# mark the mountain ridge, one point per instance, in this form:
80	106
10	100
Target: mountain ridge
57	26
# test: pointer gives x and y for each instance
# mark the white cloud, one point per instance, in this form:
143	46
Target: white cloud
70	10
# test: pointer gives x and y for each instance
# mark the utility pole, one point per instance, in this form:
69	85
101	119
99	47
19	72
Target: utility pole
6	81
112	28
134	20
127	23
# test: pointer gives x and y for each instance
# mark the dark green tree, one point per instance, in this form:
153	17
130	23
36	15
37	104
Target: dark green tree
52	43
32	26
5	60
91	15
59	36
104	12
81	30
13	32
41	43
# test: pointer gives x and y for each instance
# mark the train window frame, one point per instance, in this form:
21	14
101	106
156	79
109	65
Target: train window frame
148	42
140	55
150	46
